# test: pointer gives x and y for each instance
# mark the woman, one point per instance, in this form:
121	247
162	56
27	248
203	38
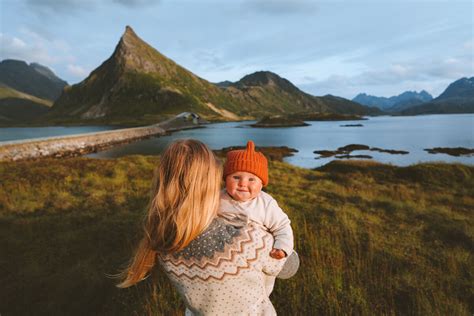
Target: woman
217	264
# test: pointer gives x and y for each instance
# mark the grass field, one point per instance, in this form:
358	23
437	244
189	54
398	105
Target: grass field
373	239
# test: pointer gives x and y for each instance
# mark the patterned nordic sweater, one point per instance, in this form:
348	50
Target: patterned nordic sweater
223	270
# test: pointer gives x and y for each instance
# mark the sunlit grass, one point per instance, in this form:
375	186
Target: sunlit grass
372	238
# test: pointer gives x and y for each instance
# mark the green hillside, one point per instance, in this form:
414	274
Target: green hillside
139	85
19	107
265	93
373	239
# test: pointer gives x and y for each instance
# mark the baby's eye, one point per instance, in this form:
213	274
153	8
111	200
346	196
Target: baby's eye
236	177
251	179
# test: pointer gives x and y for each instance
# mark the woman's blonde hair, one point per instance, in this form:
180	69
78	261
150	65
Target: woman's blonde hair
184	201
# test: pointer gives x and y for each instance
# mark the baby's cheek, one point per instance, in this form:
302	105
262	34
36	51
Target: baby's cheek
256	191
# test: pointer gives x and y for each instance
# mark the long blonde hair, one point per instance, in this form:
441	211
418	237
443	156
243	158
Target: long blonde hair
184	201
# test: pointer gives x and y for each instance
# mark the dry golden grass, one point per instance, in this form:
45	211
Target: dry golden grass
373	238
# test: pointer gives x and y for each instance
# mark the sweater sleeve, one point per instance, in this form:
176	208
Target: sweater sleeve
273	266
278	224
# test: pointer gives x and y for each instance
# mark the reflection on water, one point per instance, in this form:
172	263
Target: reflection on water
411	134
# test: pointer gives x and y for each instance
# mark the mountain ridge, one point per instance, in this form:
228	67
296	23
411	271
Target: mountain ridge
139	83
33	79
458	97
394	103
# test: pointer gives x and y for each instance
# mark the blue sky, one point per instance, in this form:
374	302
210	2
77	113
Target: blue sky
340	47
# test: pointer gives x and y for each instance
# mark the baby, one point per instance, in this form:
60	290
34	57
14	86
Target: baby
245	173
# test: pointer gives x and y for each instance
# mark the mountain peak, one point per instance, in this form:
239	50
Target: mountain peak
48	73
267	78
129	30
260	78
129	40
135	54
33	79
14	62
463	87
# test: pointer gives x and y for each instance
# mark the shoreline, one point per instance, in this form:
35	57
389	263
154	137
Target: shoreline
86	143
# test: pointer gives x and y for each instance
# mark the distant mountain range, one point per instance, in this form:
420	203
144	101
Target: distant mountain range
396	103
26	91
33	79
138	85
457	98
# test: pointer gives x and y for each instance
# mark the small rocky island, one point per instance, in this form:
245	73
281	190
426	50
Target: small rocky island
345	152
279	121
452	151
327	117
351	125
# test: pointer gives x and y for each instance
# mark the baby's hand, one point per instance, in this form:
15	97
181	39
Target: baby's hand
277	253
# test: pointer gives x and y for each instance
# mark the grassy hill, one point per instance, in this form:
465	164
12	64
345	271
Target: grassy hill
16	106
373	239
264	93
139	85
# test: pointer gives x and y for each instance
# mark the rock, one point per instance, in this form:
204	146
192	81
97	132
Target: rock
452	151
279	121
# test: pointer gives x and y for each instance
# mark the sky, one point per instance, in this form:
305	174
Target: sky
338	47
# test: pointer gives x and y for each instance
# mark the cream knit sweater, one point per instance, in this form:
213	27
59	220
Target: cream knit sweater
223	270
265	211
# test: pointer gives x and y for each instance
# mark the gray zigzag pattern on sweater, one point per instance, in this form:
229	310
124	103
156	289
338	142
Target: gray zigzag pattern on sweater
212	240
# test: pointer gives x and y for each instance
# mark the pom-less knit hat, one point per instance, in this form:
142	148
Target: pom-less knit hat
247	160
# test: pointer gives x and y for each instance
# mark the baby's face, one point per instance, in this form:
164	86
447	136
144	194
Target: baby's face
243	186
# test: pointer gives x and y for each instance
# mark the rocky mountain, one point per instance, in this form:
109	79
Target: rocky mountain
462	88
457	98
137	84
224	84
395	103
265	93
33	79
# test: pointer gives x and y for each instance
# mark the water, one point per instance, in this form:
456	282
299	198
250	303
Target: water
20	133
412	134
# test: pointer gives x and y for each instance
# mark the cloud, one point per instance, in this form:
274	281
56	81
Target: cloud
48	7
136	3
32	47
280	7
421	74
16	48
77	71
209	58
70	7
11	43
469	46
419	70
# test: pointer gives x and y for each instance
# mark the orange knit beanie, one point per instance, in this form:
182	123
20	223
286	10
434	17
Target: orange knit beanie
247	160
